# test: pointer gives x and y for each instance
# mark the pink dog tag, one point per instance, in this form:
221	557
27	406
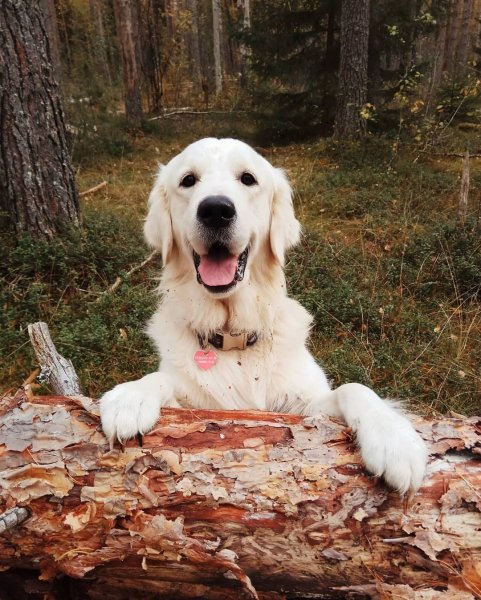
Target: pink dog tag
205	359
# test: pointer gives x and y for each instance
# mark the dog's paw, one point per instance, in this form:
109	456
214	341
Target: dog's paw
394	451
133	407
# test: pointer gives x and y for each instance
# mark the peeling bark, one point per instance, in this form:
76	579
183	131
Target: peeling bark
219	504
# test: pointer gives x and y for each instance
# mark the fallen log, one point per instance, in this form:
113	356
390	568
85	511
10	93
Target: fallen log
229	505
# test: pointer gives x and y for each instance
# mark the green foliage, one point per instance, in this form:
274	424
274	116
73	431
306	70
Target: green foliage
62	283
393	282
291	68
98	135
445	259
459	100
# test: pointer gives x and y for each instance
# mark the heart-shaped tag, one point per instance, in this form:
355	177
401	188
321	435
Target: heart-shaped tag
205	359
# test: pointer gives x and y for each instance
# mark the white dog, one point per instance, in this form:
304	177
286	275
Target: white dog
227	334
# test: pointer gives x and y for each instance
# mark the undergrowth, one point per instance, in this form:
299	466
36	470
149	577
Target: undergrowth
393	282
65	283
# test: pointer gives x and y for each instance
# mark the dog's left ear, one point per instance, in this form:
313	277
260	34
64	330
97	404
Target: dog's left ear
158	223
285	228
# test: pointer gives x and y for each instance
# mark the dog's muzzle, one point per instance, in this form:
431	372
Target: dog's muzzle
219	269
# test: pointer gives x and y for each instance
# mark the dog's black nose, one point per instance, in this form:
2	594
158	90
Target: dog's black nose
216	212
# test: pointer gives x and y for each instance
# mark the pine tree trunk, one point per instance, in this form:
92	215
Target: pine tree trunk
217	503
51	26
437	68
465	42
193	41
352	86
99	41
216	27
452	31
127	26
37	183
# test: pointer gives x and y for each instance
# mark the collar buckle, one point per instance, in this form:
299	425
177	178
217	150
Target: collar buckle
228	341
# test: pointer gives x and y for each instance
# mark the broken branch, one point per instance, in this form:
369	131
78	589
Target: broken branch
94	189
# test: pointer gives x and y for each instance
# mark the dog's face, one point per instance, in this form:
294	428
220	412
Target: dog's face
220	204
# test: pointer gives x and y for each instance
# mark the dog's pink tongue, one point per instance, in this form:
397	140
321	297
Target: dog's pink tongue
217	272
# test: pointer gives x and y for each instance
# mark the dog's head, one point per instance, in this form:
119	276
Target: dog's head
220	204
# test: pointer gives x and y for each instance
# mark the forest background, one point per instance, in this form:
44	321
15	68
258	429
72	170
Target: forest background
374	110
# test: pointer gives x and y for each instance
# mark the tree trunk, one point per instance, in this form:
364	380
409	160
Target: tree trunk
465	42
244	8
216	28
192	39
37	183
127	26
437	62
99	40
352	90
452	31
218	504
51	26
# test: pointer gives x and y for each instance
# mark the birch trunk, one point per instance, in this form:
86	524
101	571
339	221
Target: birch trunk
229	505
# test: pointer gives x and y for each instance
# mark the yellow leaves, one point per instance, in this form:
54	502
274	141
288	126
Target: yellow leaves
368	111
416	106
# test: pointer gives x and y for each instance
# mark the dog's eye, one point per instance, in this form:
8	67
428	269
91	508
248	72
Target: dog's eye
248	179
188	180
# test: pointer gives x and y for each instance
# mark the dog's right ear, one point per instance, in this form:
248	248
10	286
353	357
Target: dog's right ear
158	223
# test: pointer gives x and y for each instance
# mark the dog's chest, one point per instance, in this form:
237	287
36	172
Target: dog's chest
233	379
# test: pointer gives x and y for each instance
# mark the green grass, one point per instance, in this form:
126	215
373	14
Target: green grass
394	285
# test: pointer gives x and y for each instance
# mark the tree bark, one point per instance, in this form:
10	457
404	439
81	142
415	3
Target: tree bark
216	34
127	26
229	505
352	86
454	10
244	8
37	183
99	41
465	42
51	26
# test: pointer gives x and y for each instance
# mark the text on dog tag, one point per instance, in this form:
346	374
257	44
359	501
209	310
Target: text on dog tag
205	359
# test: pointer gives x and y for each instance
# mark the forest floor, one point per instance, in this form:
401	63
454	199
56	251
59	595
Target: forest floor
393	282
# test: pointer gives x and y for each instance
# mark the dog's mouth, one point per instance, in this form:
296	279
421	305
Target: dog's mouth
219	270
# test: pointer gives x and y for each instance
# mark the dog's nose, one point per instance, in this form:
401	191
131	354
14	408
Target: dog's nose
216	212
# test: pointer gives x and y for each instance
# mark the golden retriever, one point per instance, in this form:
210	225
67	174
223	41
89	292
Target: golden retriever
226	332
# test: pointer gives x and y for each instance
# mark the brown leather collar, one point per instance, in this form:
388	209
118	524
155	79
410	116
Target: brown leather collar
228	341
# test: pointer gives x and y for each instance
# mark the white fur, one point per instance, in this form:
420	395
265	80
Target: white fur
276	373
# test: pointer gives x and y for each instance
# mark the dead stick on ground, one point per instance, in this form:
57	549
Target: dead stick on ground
94	189
133	270
57	370
196	112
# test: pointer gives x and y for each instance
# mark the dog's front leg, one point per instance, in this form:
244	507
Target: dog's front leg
134	407
389	445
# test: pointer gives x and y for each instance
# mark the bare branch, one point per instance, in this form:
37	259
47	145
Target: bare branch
94	189
58	371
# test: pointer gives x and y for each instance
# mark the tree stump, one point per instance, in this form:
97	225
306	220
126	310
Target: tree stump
229	505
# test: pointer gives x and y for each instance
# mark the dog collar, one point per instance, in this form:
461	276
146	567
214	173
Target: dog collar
228	341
